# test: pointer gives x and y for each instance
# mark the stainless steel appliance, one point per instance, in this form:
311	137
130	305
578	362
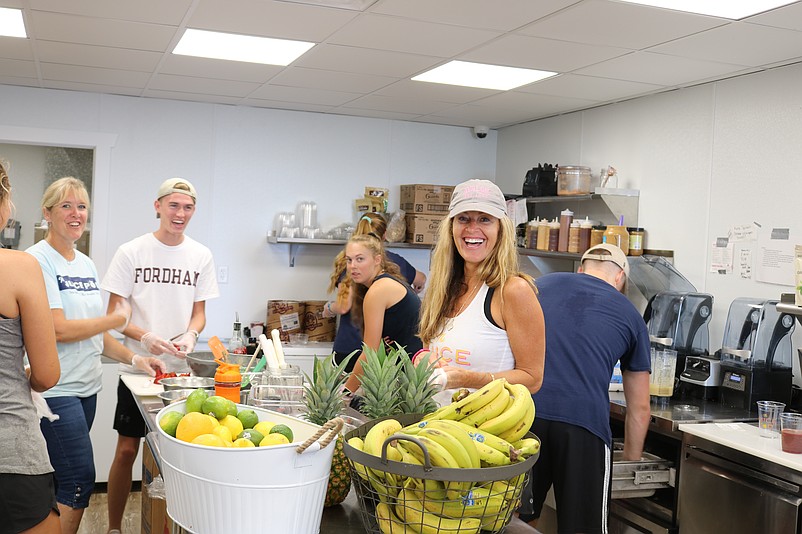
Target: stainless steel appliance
678	320
756	354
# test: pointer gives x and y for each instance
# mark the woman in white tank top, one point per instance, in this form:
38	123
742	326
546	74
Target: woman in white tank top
480	316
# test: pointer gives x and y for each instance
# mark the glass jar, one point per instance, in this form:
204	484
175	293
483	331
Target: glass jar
573	180
617	235
597	235
636	236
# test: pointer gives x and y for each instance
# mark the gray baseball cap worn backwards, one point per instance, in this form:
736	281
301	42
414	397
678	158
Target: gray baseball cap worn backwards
478	195
177	185
616	255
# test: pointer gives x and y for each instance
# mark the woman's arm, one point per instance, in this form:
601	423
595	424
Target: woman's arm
70	330
419	282
37	324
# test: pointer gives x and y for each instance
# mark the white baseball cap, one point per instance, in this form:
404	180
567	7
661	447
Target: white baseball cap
616	255
478	195
177	185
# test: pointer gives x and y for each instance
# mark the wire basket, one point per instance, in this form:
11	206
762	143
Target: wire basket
398	497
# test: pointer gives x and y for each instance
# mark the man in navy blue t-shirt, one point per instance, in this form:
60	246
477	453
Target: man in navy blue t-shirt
590	325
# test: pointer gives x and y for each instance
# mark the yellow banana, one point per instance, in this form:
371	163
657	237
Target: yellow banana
527	446
480	397
491	457
377	435
411	510
459	432
490	410
451	444
394	454
513	415
520	429
438	455
479	436
476	503
433	490
449	411
360	469
389	523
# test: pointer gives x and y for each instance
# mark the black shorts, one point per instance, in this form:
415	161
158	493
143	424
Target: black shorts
128	419
579	466
26	500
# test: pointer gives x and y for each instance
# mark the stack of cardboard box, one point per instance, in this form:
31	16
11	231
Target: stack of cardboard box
425	206
374	201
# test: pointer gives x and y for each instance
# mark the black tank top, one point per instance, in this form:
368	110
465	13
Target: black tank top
401	320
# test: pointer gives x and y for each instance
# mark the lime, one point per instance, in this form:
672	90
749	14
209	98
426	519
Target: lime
232	408
254	435
169	422
248	418
233	424
264	427
273	439
215	406
284	430
195	400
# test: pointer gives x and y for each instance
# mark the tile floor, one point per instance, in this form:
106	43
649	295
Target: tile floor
95	519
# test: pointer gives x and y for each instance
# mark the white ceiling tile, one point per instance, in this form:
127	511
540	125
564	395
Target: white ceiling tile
589	88
403	35
108	77
97	56
192	97
401	105
276	104
618	24
366	61
506	15
270	19
658	69
303	95
541	54
333	80
472	115
15	48
18	68
156	11
789	17
18	80
188	84
735	43
91	87
201	67
102	32
534	103
373	113
434	91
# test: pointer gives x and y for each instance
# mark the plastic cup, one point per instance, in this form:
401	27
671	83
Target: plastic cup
791	424
768	414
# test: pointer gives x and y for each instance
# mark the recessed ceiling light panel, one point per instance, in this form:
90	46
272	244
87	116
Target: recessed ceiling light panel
482	75
11	23
728	9
233	47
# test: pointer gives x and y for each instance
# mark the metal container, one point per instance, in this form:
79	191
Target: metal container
174	395
187	382
202	362
640	478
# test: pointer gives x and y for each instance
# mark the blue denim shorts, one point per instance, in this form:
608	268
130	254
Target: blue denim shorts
70	448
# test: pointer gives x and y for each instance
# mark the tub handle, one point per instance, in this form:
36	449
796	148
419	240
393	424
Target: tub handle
333	428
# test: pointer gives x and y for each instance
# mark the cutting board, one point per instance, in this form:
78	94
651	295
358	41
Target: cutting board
141	385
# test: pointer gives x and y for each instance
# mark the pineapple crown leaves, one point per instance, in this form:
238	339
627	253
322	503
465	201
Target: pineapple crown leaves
379	379
417	390
324	391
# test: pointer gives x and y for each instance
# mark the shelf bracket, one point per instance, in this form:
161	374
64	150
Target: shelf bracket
293	251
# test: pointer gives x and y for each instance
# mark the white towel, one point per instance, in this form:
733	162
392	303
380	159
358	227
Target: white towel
42	409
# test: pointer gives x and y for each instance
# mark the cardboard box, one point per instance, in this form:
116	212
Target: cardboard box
318	328
426	199
154	511
286	316
371	205
422	229
376	192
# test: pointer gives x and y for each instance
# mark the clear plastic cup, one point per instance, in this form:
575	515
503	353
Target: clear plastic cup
791	424
768	414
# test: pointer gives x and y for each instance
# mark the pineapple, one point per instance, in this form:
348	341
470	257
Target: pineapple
379	381
324	401
416	391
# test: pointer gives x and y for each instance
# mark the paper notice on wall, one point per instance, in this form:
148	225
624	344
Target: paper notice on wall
721	256
775	257
743	232
745	263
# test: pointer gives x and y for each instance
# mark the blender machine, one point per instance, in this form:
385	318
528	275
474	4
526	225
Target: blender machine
679	321
756	355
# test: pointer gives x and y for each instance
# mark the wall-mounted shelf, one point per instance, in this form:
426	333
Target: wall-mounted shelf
295	242
607	206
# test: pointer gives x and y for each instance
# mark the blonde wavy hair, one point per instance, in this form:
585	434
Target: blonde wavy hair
369	223
375	246
446	277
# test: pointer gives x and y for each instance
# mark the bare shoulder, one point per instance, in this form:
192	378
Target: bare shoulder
518	289
17	259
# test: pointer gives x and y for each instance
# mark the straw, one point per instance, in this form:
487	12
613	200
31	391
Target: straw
621	221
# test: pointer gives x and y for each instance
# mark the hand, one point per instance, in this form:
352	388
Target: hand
156	345
186	341
148	364
122	308
454	376
327	311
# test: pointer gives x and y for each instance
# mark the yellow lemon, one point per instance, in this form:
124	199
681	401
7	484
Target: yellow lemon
233	424
215	422
284	430
243	442
209	440
263	427
223	432
274	439
193	425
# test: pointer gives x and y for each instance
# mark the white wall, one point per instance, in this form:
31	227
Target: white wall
247	165
705	159
29	162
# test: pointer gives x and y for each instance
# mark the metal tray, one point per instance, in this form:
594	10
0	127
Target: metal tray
640	478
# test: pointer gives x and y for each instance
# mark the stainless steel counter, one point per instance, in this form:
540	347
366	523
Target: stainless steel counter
342	519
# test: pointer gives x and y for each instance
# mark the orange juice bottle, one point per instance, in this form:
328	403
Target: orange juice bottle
228	381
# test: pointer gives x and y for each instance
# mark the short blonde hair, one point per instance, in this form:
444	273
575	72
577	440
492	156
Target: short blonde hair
58	191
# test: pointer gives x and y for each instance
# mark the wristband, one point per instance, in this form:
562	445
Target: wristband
415	356
194	333
328	307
